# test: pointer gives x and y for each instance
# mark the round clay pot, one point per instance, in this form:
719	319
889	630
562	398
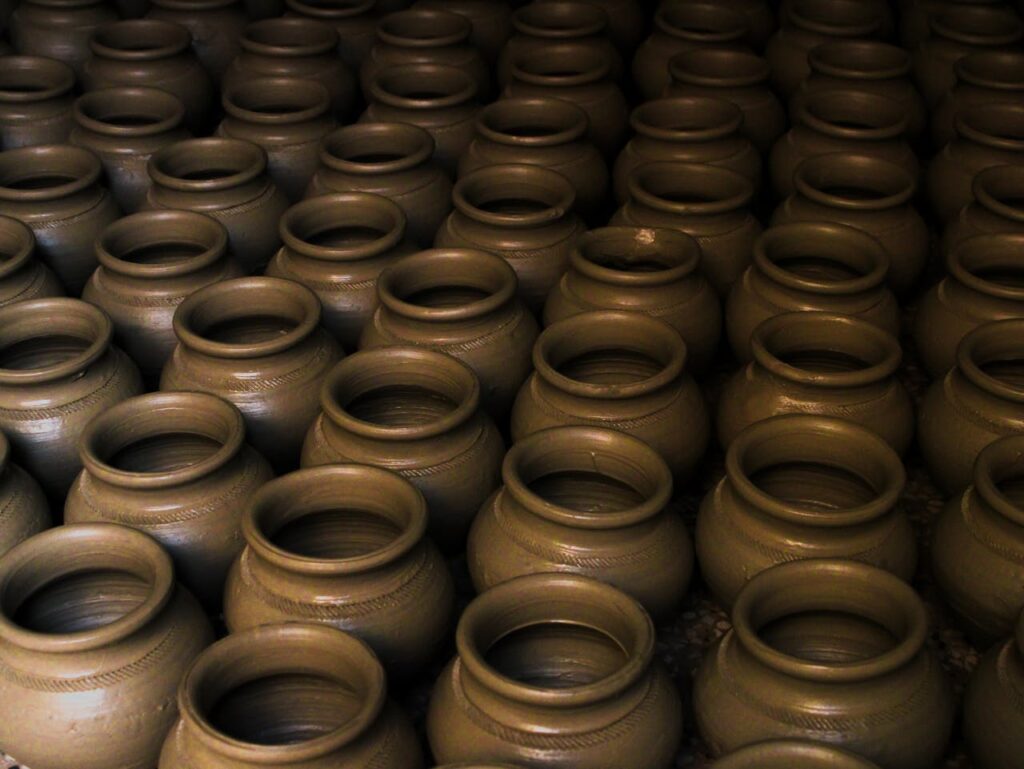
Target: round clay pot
522	213
417	412
491	20
811	266
149	263
983	77
977	401
22	276
915	15
590	501
26	511
35	101
555	670
653	271
215	25
94	636
626	21
336	245
354	21
997	205
622	370
463	302
296	695
709	203
869	193
58	29
346	546
225	179
176	466
792	754
258	343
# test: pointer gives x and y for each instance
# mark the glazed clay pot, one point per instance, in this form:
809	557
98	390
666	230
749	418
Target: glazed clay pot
393	160
811	266
149	263
176	466
346	546
792	754
35	101
463	302
58	29
491	20
845	636
26	511
256	342
225	179
94	636
977	401
555	670
522	213
215	25
997	205
417	412
707	202
983	77
22	275
291	695
590	501
336	245
653	271
621	370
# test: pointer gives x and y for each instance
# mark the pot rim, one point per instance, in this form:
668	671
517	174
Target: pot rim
736	189
996	176
978	343
866	104
967	128
865	168
593	20
317	10
583	65
846	59
25	245
550	187
694	109
682	68
967	67
462	87
101	44
668	244
137	227
310	97
717	23
779	753
869	24
249	161
352	209
420	151
193	5
80	164
984	246
60	76
570	121
1006	27
311	37
997	462
167	107
455	28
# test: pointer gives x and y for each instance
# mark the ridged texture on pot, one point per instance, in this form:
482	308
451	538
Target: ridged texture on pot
58	29
995	206
354	21
35	101
22	275
24	510
993	711
215	25
983	77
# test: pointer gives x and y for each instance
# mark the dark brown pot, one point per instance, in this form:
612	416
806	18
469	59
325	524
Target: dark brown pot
26	511
294	695
22	275
92	614
215	25
626	21
792	754
491	20
915	15
346	546
354	21
58	29
35	101
997	205
983	77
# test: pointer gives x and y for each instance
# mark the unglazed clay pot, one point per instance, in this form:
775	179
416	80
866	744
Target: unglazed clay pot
626	21
983	77
977	401
522	213
997	205
345	545
491	20
709	203
94	636
590	501
555	670
463	302
792	754
294	695
417	412
622	370
915	15
22	275
176	466
35	101
337	245
258	343
215	25
811	266
225	179
354	21
26	511
58	29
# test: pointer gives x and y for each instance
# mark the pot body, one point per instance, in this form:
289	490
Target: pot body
952	170
28	119
491	20
33	280
452	128
523	45
461	55
993	713
976	219
24	510
936	57
355	23
964	97
216	27
58	31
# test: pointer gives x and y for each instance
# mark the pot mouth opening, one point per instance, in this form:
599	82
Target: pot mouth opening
560	20
343	226
289	37
687	119
514	195
853	114
1000	189
276	100
331	9
33	350
562	65
423	86
854	182
46	172
34	78
719	68
998	70
999	477
990	264
998	125
140	40
860	60
161	244
701	23
129	111
376	148
635	256
978	25
17	244
532	122
689	189
835	18
992	358
207	165
423	28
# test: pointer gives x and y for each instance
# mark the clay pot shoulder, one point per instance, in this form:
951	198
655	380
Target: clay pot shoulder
354	22
25	508
58	29
35	101
982	77
22	274
995	207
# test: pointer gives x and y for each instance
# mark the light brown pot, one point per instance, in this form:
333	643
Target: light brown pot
22	275
792	754
35	101
26	510
983	77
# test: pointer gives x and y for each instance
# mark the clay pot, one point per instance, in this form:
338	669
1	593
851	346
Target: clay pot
522	213
626	21
983	77
294	695
26	511
491	20
354	21
417	412
819	363
845	635
811	266
149	263
225	179
709	203
737	76
35	101
22	275
621	370
792	754
870	194
463	302
256	342
94	636
541	131
653	271
215	25
58	29
288	118
915	15
997	205
346	546
555	670
336	245
393	160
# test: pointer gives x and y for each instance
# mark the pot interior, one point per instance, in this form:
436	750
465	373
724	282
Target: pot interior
41	352
80	601
556	655
1009	371
336	534
586	491
164	453
831	637
813	485
400	405
610	366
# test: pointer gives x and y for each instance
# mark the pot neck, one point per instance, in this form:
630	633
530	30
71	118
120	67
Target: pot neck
30	79
515	196
687	119
635	257
989	346
17	244
996	125
834	18
207	165
532	122
160	245
719	68
289	37
990	264
423	86
140	40
276	101
854	182
689	189
424	29
853	115
560	20
129	112
343	227
49	172
868	60
701	23
998	473
373	149
1000	190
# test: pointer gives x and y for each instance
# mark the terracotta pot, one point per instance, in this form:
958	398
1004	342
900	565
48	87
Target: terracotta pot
336	245
996	206
737	76
653	271
149	263
811	266
982	77
491	20
870	194
709	203
463	302
392	160
22	275
417	412
35	101
792	754
522	213
215	25
58	29
94	637
353	20
258	343
346	546
293	695
26	511
226	179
